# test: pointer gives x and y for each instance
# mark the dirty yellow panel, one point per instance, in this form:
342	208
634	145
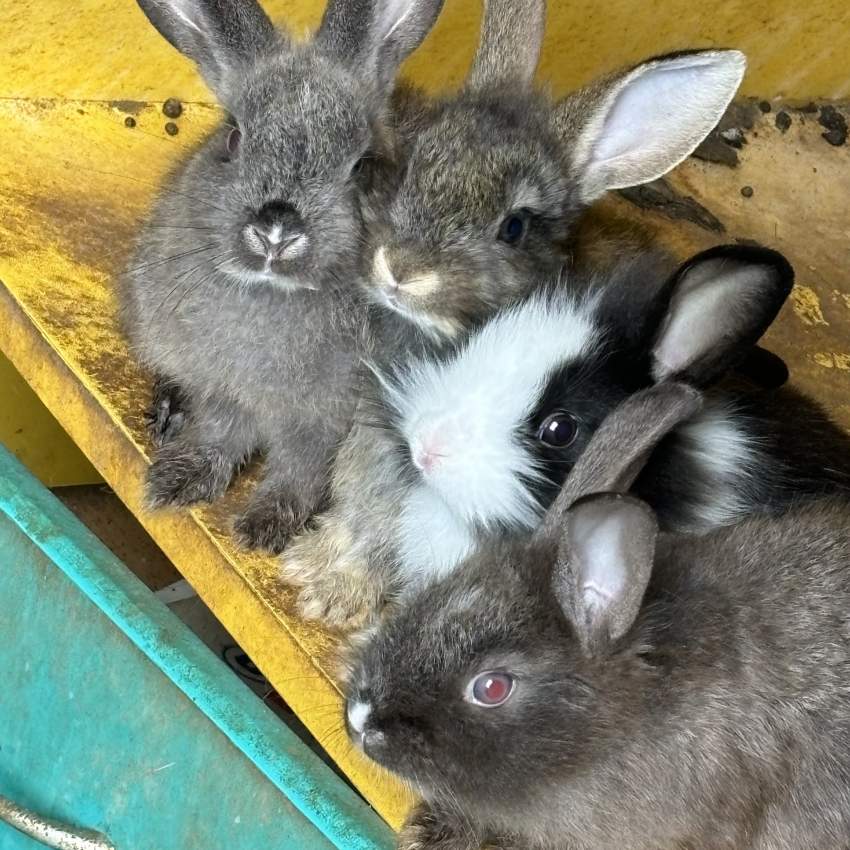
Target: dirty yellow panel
74	184
31	433
796	50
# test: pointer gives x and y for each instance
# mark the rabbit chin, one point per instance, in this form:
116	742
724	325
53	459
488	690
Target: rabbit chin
250	277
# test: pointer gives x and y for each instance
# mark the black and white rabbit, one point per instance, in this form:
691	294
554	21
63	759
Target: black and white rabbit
242	292
478	441
492	184
598	685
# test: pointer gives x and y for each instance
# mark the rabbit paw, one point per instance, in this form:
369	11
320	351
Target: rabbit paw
184	475
269	522
346	597
166	415
337	587
427	830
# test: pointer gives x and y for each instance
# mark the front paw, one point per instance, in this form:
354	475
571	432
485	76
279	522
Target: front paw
336	586
166	416
427	829
269	522
184	475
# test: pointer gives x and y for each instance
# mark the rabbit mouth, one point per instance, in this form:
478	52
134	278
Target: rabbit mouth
267	275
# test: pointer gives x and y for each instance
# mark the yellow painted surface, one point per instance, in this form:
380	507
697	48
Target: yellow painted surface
796	49
31	433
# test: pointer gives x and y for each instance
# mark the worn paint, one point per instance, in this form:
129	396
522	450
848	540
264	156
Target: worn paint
806	305
832	360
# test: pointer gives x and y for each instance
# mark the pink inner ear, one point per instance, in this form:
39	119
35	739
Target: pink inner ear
712	309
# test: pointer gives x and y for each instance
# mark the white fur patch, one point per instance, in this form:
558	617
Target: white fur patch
728	455
358	714
460	419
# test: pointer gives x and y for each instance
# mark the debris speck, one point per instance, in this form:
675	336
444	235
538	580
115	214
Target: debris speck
811	107
835	124
783	120
747	191
733	136
130	122
765	106
171	128
172	108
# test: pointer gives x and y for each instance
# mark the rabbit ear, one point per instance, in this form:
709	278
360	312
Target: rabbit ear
604	565
618	450
509	46
722	301
639	125
221	36
375	36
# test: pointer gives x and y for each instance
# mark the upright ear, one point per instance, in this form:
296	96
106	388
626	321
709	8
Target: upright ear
222	36
637	126
604	564
375	36
721	302
509	46
620	447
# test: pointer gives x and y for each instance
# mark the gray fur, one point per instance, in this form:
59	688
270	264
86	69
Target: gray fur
471	160
266	346
718	720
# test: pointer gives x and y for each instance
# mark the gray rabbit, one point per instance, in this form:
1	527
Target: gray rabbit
602	685
491	189
242	292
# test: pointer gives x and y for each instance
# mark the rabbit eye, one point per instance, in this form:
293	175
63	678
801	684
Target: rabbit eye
491	689
234	137
559	430
513	228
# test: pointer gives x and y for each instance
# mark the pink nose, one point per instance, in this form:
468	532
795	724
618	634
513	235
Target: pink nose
427	457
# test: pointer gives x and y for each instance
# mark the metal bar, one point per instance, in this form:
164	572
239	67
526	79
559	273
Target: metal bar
50	832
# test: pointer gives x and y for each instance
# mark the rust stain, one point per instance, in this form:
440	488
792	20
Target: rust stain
806	305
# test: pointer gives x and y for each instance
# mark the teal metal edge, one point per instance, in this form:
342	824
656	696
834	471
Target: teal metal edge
272	747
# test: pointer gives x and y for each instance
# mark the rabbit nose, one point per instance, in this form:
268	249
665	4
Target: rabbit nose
427	455
277	232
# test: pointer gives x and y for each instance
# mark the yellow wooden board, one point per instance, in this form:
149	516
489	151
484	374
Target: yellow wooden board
105	50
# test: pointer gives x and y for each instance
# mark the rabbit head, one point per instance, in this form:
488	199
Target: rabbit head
495	179
304	121
492	430
521	666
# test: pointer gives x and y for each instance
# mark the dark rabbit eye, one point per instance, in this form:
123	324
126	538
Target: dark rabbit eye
234	137
513	228
491	689
559	430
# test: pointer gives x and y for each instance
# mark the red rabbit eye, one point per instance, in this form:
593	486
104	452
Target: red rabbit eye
491	689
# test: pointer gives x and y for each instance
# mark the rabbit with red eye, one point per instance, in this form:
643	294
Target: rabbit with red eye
242	292
493	182
600	685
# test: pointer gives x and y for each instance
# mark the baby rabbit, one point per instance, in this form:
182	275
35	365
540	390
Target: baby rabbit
242	291
602	686
492	184
478	441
